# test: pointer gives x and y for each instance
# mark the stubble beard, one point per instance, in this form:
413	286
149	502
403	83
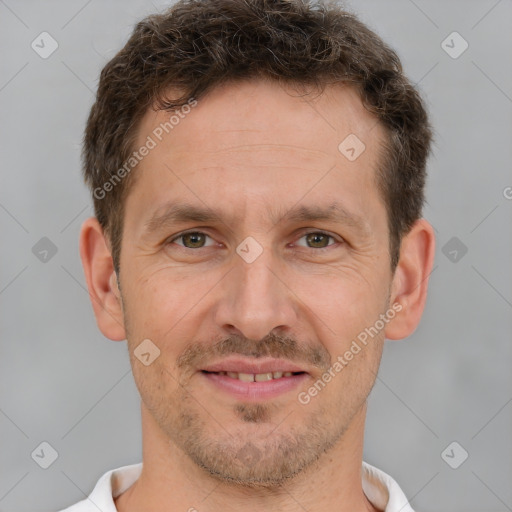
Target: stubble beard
243	456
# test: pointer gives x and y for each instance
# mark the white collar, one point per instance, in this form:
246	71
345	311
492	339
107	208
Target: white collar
381	489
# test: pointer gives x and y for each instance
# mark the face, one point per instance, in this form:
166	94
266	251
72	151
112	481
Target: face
262	284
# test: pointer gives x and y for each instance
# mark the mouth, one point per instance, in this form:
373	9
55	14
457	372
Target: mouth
254	380
256	377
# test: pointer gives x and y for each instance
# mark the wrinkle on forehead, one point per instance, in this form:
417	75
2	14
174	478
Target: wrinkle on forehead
260	111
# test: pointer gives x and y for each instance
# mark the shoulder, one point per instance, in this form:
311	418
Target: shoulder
383	491
110	485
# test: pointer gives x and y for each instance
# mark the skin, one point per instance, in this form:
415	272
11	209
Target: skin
250	149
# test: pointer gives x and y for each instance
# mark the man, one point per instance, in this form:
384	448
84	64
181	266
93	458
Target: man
257	169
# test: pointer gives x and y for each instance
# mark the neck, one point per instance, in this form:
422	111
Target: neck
170	480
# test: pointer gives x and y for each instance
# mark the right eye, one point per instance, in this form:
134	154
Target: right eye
195	238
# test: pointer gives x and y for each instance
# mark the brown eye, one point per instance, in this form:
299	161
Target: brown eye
317	240
192	239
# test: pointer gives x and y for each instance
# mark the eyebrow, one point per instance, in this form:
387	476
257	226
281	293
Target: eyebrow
175	213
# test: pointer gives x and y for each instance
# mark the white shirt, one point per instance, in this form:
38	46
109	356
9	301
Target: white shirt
382	491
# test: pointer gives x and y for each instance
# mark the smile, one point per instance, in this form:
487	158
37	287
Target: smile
253	379
257	377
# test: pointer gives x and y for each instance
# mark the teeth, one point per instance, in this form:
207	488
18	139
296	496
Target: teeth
260	377
256	377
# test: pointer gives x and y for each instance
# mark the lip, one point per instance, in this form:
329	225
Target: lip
254	391
263	365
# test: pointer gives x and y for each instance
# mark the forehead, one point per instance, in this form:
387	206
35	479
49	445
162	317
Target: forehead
265	112
256	140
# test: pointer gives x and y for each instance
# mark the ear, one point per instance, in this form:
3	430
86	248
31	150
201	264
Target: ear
101	280
410	282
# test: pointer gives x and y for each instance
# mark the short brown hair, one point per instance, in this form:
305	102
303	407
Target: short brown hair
197	45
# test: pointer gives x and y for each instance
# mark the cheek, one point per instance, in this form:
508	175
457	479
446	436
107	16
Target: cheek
167	312
157	301
344	311
158	388
344	301
152	314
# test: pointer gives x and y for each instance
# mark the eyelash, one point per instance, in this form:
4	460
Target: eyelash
317	249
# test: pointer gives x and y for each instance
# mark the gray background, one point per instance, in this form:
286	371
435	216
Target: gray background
62	382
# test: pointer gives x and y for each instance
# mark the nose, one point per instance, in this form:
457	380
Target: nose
256	299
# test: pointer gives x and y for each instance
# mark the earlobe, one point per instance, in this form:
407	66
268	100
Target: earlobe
101	280
410	282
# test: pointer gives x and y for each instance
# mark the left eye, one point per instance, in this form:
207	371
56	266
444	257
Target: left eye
318	237
196	239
